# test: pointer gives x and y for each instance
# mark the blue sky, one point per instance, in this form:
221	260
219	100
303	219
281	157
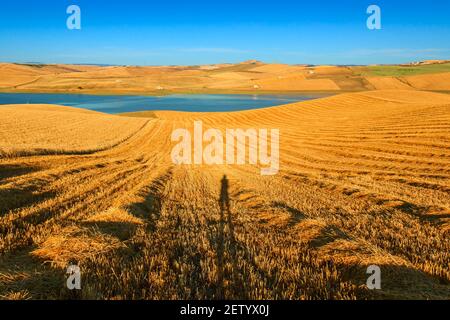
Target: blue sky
186	32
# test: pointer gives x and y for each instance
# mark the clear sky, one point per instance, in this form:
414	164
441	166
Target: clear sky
168	32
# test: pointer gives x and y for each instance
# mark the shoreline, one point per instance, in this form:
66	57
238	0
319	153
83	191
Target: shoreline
200	92
187	92
145	113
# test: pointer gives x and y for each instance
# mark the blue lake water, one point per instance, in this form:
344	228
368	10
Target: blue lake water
178	102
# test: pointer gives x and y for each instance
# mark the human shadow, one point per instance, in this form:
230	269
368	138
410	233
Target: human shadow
224	203
226	220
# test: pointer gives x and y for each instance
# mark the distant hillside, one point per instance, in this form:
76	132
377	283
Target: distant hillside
247	77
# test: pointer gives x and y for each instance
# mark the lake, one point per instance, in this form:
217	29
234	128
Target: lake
179	102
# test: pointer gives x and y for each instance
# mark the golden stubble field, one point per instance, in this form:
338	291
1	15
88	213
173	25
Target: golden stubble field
364	179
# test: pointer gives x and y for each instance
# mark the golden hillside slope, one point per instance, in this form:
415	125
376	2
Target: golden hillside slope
364	179
48	129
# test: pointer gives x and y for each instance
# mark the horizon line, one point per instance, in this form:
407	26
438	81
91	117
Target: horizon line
254	61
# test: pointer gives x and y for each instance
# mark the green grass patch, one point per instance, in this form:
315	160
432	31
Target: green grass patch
399	71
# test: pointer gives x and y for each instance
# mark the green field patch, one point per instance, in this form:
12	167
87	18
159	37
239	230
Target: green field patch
398	71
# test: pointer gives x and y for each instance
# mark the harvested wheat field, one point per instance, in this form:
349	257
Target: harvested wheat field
364	179
41	129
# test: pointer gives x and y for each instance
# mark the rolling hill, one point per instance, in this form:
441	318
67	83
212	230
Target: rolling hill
247	77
